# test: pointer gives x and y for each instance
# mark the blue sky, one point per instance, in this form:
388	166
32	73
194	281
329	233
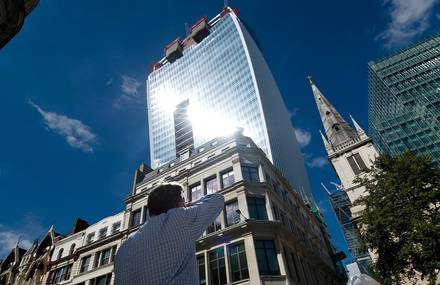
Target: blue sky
73	119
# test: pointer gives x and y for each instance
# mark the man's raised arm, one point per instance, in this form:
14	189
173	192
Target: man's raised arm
203	212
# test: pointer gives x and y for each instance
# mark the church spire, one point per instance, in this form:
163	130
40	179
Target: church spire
328	148
337	130
361	133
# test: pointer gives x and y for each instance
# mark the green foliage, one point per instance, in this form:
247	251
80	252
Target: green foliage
401	221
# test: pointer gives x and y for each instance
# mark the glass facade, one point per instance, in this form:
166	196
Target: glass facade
227	85
404	100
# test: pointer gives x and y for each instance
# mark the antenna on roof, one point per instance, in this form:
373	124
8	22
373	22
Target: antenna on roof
187	29
225	3
325	188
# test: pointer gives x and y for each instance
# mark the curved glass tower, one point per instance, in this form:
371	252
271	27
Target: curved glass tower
221	72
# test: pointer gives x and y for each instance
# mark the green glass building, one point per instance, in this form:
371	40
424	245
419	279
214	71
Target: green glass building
404	100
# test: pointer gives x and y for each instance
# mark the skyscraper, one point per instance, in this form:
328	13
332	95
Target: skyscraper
404	100
219	69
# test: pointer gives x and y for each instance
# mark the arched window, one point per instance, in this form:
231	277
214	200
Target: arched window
60	253
72	249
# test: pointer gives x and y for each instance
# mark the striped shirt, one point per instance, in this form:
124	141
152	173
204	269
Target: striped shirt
163	250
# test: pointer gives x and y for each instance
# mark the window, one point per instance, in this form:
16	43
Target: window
145	215
250	174
257	208
60	253
227	178
116	227
239	267
102	232
232	217
90	237
356	163
202	273
217	267
105	257
59	275
72	249
85	262
102	280
267	257
136	218
211	185
216	225
112	256
196	192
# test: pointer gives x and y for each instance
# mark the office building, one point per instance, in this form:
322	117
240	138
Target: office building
220	72
404	100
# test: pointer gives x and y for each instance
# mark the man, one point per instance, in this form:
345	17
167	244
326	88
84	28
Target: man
163	250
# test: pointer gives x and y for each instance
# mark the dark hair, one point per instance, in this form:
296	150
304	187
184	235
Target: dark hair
163	198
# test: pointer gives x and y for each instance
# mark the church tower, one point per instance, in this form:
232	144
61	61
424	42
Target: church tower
350	151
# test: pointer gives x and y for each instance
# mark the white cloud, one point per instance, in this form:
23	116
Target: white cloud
130	85
130	91
409	18
29	230
293	112
303	136
109	82
76	134
317	162
8	240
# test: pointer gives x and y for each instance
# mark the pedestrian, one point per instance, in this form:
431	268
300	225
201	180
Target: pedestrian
163	250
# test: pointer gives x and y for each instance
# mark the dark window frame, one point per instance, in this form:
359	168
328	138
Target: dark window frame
231	176
85	263
116	229
209	179
200	265
133	222
217	273
250	173
60	253
235	216
195	185
243	269
213	227
265	259
260	209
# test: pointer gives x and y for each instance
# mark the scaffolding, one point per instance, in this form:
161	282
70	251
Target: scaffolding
341	205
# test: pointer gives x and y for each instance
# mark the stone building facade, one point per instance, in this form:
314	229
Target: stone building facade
265	234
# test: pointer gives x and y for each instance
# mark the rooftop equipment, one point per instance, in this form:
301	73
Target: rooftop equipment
200	30
174	50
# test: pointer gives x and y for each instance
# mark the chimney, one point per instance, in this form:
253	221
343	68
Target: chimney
79	225
139	175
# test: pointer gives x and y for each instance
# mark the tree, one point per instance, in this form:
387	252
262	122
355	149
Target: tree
401	221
